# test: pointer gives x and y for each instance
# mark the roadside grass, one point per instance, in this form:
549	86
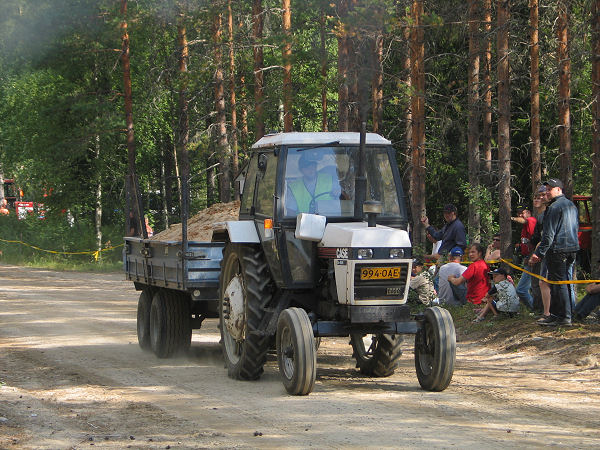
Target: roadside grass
103	265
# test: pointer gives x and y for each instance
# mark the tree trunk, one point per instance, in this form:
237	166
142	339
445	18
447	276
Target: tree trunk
473	126
324	60
133	204
183	133
164	181
487	86
408	113
287	66
221	123
2	197
98	202
596	137
417	181
377	85
564	95
343	88
257	35
534	54
244	114
503	12
232	100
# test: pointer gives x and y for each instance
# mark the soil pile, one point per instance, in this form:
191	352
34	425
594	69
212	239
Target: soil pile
200	226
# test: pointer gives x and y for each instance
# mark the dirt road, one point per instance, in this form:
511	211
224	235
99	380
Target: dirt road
73	376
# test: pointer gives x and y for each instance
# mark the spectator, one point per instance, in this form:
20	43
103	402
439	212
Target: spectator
448	293
453	234
476	275
559	245
525	248
422	283
492	252
506	301
149	230
588	303
539	288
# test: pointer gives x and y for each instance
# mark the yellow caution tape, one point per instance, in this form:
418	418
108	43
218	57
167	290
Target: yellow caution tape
95	253
546	279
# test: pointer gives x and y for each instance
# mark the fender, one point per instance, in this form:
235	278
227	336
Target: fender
236	231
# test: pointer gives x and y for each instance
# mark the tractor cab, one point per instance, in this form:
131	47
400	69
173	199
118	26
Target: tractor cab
315	175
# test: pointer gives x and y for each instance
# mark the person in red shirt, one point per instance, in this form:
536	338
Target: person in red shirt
476	275
528	222
526	247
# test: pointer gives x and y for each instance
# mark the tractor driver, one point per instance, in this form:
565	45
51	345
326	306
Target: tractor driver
304	193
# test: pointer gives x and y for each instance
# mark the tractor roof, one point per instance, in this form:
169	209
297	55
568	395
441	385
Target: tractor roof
295	138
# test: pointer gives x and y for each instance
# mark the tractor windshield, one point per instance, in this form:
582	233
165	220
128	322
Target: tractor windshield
321	181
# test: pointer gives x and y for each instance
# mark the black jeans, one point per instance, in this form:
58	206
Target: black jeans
558	270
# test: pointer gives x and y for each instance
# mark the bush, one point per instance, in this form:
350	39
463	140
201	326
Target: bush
55	242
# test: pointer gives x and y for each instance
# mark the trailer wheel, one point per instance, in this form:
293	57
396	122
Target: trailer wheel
170	327
296	354
244	293
435	350
143	319
376	354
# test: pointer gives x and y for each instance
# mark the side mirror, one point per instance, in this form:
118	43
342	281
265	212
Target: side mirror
240	185
310	227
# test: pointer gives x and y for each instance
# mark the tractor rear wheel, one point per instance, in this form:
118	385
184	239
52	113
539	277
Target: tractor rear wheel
376	354
435	350
244	293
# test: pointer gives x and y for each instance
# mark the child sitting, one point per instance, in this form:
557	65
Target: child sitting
505	293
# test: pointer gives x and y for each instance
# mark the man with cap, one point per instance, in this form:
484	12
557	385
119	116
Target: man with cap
447	292
421	282
453	233
525	248
558	246
304	193
505	294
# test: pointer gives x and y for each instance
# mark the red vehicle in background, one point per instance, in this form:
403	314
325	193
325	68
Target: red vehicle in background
584	206
12	193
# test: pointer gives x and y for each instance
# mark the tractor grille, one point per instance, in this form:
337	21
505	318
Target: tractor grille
380	289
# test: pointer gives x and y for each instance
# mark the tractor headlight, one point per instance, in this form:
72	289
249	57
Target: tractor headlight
365	253
396	253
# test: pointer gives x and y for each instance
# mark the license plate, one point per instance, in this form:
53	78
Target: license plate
379	273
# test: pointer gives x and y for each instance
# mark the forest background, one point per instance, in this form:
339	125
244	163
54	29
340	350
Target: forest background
481	99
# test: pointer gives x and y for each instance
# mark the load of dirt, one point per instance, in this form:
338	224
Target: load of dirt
200	226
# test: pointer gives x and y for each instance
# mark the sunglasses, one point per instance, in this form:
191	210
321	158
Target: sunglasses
496	239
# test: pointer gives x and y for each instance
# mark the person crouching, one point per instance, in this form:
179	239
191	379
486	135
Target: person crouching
501	298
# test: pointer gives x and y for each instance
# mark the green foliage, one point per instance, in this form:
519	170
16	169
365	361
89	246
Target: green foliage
62	118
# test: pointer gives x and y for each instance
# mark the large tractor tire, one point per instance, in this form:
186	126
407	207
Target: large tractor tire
376	354
435	350
143	319
170	324
244	293
296	353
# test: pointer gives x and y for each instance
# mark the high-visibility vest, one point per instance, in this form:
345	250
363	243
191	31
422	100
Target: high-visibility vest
304	198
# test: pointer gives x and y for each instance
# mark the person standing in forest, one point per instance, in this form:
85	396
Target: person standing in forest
452	235
525	248
539	288
559	246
